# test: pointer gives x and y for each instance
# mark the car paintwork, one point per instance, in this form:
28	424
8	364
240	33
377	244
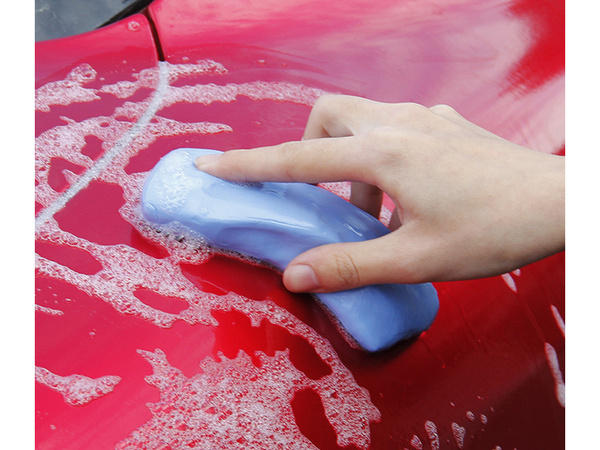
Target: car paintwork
483	376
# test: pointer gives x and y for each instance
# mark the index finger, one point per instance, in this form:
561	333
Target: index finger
310	161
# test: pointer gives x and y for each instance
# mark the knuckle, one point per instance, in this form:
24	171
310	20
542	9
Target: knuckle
339	102
325	99
443	110
404	112
384	145
328	102
322	103
346	270
326	110
290	158
405	115
415	107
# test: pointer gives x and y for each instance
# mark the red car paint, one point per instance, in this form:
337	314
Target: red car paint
110	291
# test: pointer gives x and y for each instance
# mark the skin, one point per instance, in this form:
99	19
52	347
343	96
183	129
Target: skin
469	204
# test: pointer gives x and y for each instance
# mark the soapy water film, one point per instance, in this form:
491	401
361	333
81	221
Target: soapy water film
232	403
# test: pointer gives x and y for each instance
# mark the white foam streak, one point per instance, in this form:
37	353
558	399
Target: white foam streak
432	434
416	443
257	90
559	382
77	390
558	318
83	181
49	311
510	282
459	434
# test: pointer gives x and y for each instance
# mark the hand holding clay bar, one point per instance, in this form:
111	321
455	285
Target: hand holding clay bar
275	222
468	204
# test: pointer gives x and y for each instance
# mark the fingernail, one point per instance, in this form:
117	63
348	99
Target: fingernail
204	161
300	278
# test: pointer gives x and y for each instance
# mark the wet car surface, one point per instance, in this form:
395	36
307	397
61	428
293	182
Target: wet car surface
152	341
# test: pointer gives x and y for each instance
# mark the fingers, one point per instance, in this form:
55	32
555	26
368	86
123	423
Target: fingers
339	116
354	123
344	115
337	267
313	161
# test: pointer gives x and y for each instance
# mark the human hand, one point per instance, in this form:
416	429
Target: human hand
469	204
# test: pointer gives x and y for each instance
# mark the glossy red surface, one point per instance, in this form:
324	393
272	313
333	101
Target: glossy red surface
241	74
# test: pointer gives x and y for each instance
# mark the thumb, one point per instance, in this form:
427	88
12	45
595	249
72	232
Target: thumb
393	258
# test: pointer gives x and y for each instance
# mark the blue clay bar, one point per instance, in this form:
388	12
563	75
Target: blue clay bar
275	222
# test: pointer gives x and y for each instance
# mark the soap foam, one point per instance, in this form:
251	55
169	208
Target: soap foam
49	311
459	434
554	365
510	282
558	318
416	442
432	434
67	91
232	404
201	67
77	390
340	188
131	128
172	194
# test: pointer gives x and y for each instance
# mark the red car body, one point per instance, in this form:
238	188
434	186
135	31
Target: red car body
145	342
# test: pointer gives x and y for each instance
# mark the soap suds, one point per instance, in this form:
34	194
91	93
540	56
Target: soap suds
231	404
172	195
341	188
77	390
250	411
558	318
459	434
67	91
123	141
559	382
432	434
416	443
49	311
510	282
